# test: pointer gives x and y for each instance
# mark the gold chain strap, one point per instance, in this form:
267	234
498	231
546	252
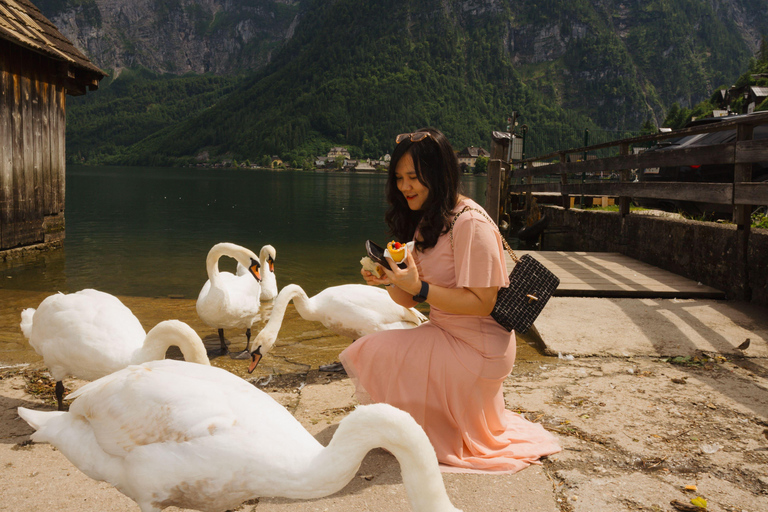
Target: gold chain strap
504	241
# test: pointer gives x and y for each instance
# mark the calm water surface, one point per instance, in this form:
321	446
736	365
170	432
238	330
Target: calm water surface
143	234
146	231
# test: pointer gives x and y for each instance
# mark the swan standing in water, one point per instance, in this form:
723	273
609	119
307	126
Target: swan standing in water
169	433
229	301
90	334
351	310
267	257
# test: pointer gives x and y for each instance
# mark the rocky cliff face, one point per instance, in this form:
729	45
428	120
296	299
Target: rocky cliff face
227	36
224	36
176	36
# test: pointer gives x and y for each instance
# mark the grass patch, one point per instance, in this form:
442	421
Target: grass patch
613	208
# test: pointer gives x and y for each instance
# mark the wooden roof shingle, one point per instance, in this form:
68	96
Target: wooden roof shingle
22	23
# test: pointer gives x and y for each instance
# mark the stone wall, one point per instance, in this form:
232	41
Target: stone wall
707	252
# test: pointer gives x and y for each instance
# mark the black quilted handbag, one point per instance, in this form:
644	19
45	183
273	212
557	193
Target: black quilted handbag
531	285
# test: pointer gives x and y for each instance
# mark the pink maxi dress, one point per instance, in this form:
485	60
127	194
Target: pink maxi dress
448	372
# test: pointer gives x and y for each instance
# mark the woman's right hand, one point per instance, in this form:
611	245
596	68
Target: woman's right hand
372	280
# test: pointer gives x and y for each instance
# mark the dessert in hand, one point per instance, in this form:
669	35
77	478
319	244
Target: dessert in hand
372	267
397	251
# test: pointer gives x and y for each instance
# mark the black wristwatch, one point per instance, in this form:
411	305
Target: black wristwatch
422	296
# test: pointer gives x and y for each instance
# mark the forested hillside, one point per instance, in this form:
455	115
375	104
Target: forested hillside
357	72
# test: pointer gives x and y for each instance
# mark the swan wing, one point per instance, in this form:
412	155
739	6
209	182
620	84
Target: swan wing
169	401
234	302
165	433
87	334
356	310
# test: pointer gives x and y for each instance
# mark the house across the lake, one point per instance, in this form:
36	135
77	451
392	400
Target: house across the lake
38	68
468	156
337	152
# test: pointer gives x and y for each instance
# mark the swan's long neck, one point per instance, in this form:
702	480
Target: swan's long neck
212	261
172	333
268	335
381	425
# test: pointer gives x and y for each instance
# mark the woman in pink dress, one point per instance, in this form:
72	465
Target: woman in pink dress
448	372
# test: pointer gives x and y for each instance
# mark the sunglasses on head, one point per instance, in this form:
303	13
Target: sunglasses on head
414	137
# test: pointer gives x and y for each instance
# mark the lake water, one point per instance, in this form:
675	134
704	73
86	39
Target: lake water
141	231
143	234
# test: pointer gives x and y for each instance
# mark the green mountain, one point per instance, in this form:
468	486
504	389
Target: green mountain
357	72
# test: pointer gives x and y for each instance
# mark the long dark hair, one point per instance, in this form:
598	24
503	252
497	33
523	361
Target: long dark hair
437	169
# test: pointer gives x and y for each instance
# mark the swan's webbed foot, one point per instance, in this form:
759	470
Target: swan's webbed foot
222	350
240	355
243	354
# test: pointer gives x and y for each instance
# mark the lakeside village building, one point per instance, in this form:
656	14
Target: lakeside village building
340	159
467	158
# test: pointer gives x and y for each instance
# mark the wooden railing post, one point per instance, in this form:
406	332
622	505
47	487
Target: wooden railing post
624	201
742	213
564	181
528	193
499	146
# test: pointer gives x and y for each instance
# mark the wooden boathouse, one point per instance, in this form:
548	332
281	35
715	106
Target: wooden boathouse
38	68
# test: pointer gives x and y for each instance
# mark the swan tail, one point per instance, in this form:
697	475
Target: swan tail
26	322
38	419
75	439
415	316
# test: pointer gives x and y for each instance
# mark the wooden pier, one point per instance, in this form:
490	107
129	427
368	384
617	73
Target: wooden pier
610	274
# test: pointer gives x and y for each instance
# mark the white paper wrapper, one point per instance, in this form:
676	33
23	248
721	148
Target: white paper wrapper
371	266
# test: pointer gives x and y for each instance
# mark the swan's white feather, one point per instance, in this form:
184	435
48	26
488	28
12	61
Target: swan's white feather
173	433
89	334
227	300
351	310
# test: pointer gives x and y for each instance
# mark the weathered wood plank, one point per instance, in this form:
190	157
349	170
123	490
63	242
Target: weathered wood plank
717	154
624	200
751	193
18	185
6	146
32	226
742	172
721	193
755	119
493	188
45	140
36	116
751	151
61	116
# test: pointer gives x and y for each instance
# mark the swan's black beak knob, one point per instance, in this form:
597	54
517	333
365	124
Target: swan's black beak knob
255	267
255	358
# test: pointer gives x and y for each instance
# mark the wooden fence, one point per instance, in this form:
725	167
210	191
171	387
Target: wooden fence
741	193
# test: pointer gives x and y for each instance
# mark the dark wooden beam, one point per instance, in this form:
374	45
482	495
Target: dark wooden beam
720	193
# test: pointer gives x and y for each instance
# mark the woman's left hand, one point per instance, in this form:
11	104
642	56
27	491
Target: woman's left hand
407	278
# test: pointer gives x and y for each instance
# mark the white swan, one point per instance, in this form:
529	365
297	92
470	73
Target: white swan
267	257
351	310
90	334
170	433
229	301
